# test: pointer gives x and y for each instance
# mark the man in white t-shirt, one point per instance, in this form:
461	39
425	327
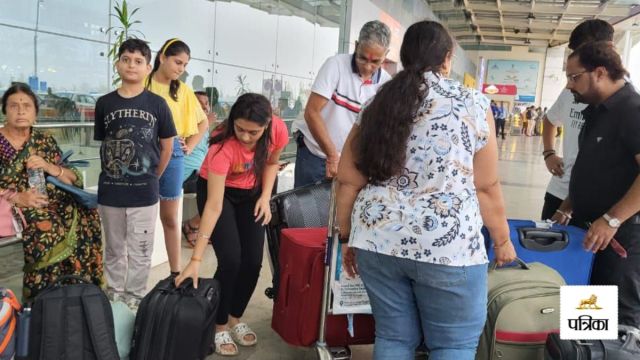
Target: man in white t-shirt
566	112
344	83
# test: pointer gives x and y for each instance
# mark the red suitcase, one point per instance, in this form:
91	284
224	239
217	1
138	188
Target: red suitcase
297	307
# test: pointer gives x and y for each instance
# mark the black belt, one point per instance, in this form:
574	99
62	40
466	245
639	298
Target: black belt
300	140
634	220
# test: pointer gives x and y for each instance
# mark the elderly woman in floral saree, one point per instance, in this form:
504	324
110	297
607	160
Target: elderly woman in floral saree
61	237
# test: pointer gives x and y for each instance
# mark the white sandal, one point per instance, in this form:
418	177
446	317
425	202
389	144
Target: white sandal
238	333
224	338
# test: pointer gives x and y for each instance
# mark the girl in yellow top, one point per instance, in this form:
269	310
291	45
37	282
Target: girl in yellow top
191	125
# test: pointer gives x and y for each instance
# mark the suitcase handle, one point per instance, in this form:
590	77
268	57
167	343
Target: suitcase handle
523	265
543	240
185	288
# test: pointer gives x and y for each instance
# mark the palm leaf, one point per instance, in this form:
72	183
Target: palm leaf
124	27
125	12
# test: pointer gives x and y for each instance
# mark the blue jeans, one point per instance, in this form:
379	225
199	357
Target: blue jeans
309	168
171	179
410	299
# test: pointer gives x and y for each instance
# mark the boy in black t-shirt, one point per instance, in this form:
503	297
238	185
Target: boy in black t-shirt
136	130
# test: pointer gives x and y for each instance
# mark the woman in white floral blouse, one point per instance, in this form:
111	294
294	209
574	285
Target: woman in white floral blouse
417	179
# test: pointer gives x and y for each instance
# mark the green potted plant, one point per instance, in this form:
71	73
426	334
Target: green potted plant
123	30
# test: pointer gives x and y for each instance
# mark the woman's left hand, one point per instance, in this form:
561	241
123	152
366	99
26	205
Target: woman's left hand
185	148
37	162
505	253
262	210
191	271
349	261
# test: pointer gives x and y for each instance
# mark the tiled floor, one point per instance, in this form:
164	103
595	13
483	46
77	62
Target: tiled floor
524	179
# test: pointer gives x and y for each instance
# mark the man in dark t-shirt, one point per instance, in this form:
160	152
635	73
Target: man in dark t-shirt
604	190
136	130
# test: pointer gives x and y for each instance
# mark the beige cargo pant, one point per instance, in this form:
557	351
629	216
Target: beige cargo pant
129	234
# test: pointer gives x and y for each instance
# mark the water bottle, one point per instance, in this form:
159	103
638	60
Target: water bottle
22	334
17	223
37	180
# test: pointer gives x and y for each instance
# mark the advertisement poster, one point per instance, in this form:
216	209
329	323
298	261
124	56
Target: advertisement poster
522	74
349	294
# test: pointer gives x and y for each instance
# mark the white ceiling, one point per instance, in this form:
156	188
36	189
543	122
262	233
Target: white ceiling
525	22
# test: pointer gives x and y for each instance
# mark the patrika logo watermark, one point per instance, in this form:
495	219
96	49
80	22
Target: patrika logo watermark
588	312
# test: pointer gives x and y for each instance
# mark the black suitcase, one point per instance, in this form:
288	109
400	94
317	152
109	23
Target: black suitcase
72	321
626	347
176	323
303	207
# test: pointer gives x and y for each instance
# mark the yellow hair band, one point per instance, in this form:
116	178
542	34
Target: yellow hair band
164	49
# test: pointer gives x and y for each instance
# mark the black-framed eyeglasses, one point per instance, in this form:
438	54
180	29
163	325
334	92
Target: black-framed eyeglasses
574	77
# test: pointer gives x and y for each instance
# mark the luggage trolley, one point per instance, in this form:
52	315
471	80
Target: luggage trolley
324	352
306	207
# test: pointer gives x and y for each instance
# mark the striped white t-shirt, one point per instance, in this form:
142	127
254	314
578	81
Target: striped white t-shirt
339	82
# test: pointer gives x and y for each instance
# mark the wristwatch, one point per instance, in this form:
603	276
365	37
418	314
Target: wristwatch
613	222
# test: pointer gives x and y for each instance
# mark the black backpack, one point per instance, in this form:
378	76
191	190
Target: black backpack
176	323
72	321
626	347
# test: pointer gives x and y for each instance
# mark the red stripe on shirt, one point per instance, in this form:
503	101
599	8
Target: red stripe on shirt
345	104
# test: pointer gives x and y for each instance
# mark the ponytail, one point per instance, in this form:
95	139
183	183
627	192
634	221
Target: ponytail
389	120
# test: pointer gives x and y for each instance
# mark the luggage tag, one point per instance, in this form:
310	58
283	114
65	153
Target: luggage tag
546	224
350	324
615	246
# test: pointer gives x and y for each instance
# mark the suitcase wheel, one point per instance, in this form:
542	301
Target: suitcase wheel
270	292
340	353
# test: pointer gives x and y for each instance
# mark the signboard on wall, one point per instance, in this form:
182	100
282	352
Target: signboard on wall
499	89
522	74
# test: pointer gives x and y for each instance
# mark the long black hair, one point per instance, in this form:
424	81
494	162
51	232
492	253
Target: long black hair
380	145
257	109
171	47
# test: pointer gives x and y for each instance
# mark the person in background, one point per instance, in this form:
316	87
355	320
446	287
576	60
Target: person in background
501	121
191	124
413	214
137	131
343	84
531	120
61	237
538	123
234	188
192	163
525	121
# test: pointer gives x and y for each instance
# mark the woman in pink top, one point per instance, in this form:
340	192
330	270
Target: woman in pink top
234	189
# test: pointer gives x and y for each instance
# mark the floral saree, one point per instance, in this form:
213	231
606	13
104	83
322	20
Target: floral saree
62	239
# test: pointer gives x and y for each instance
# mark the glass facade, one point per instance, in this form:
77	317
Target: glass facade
272	47
60	47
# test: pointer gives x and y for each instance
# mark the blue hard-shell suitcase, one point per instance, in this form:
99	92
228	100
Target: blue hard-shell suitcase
559	247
